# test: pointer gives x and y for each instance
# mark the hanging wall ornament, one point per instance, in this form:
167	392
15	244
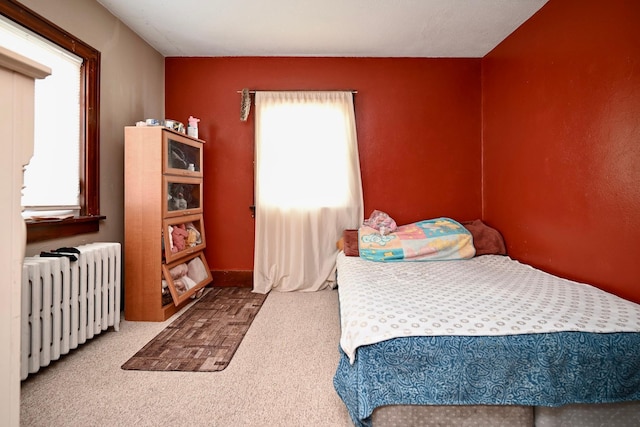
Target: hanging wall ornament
245	105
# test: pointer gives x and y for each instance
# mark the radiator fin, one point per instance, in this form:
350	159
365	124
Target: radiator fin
65	303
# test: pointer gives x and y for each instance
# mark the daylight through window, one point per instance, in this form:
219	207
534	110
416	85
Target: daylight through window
52	177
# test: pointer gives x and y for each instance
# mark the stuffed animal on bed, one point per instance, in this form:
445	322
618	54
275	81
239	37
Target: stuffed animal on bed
382	222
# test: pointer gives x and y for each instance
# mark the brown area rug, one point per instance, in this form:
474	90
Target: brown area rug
205	337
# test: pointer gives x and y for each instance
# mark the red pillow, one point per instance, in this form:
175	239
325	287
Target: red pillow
350	242
486	240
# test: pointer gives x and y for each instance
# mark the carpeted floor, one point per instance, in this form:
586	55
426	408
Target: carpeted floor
280	376
205	337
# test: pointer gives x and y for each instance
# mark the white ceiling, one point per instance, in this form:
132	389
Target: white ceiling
359	28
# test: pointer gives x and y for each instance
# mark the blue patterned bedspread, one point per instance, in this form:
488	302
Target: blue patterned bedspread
550	369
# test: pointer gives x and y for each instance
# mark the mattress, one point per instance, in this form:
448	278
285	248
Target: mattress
625	414
485	331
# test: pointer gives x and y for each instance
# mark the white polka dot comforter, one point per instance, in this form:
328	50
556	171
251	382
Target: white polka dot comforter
488	295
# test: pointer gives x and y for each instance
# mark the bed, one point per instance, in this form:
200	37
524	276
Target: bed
480	339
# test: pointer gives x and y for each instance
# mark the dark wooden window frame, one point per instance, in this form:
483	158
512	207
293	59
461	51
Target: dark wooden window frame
88	220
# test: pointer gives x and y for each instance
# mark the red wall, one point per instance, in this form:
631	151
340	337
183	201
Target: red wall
561	142
418	124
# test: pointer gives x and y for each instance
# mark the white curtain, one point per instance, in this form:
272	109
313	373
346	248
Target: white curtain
308	187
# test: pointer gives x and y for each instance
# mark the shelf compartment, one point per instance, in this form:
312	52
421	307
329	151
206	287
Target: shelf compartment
182	236
186	276
182	196
182	155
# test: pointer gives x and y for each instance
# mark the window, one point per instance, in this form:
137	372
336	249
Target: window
47	186
308	187
310	172
85	192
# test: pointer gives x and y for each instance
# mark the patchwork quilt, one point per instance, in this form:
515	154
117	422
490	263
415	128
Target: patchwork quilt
429	240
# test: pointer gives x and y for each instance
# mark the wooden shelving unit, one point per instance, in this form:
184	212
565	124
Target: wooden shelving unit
163	185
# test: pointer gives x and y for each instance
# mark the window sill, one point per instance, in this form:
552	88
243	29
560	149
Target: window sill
41	230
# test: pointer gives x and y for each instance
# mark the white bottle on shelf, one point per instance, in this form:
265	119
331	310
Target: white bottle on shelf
192	128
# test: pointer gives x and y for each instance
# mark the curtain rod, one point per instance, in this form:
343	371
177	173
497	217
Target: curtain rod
299	90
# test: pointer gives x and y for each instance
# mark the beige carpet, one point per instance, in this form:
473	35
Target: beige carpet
281	375
205	337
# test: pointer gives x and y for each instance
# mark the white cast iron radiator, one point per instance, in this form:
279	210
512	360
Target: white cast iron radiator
66	302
